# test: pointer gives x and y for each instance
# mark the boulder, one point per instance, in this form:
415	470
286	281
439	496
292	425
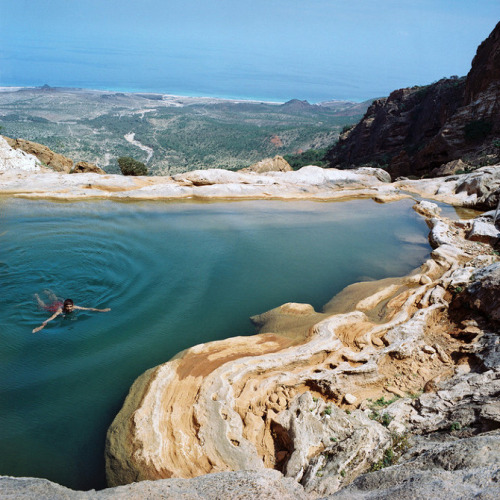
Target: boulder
84	167
484	231
483	293
482	187
450	168
276	164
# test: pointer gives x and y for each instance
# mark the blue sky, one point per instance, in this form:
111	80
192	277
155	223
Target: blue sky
270	49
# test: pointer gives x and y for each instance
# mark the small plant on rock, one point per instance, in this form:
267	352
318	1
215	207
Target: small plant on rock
400	445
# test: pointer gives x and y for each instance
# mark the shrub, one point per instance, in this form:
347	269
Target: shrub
129	166
346	128
477	130
400	444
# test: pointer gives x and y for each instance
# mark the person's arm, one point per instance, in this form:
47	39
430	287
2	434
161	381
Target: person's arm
59	311
91	309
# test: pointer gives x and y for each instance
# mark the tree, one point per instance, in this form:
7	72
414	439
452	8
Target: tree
129	166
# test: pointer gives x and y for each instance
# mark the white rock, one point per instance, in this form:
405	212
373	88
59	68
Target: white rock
15	159
350	398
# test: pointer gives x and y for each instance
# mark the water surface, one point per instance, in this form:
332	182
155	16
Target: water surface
174	275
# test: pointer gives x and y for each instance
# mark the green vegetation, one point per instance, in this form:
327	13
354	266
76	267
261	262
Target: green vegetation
129	166
327	410
382	402
477	130
382	418
184	133
400	444
455	426
346	128
309	157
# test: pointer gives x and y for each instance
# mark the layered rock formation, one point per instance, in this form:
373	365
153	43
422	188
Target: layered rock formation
416	130
305	396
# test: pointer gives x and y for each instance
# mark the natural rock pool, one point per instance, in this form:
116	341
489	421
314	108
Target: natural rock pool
174	275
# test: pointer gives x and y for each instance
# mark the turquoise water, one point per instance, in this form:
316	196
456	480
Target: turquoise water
174	275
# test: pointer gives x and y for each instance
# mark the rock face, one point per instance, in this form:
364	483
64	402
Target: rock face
276	164
416	130
393	128
483	293
55	161
467	468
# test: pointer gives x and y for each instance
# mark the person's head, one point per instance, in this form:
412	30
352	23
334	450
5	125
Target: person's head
68	305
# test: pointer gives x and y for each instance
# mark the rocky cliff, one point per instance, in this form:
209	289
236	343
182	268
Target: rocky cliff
48	158
416	130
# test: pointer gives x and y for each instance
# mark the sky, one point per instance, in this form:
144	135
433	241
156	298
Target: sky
255	49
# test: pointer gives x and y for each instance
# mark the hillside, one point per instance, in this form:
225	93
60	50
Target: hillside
171	134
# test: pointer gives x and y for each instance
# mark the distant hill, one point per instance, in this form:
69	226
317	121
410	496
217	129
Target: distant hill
416	130
171	134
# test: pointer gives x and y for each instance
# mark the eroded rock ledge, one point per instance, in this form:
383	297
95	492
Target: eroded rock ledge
304	396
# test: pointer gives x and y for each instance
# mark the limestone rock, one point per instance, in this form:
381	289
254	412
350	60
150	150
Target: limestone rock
347	443
244	485
481	187
450	168
276	164
55	161
84	167
427	208
483	294
13	159
467	468
350	399
484	231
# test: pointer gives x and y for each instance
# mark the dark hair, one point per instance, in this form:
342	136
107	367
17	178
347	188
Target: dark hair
67	302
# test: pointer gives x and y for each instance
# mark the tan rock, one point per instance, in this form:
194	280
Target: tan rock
450	168
84	167
55	161
276	164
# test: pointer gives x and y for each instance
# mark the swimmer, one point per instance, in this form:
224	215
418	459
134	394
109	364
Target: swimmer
59	307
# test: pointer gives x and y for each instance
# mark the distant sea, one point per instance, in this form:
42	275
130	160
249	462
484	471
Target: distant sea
265	96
